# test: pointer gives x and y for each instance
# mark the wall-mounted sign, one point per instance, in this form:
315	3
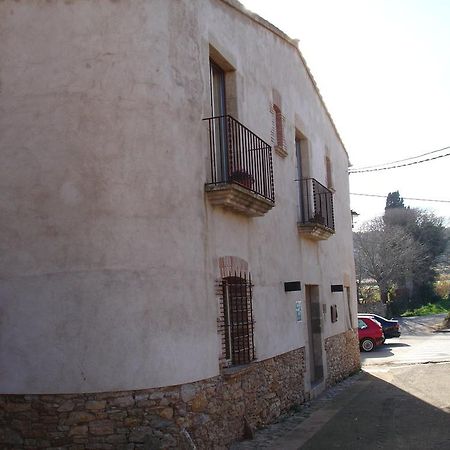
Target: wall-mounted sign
292	286
334	313
298	310
337	288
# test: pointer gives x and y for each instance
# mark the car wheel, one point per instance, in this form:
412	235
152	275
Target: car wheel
367	345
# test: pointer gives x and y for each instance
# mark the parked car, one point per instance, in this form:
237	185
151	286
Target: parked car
391	328
370	333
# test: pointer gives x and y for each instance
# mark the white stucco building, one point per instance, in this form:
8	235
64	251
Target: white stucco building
162	275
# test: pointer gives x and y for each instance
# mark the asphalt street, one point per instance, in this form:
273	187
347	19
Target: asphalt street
418	344
400	400
406	407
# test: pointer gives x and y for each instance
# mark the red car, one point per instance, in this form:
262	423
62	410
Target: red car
370	334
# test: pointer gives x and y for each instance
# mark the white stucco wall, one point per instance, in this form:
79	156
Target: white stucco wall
108	246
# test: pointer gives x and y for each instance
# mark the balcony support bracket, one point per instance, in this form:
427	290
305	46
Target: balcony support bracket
314	231
238	199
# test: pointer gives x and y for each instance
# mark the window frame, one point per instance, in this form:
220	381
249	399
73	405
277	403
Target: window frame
278	126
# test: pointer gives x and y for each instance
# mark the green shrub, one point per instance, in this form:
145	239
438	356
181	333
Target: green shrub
442	306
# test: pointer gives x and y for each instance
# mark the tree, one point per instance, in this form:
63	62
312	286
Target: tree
394	200
443	260
427	230
423	226
386	253
402	249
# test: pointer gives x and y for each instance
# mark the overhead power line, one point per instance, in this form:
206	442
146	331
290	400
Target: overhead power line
405	198
373	166
397	166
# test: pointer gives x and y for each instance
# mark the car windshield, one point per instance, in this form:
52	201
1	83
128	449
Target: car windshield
361	324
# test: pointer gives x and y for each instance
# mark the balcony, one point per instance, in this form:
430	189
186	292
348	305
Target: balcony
241	177
316	210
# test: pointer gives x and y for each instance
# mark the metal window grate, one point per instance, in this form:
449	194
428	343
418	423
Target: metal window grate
238	318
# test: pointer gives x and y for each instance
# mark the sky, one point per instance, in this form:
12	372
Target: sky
383	69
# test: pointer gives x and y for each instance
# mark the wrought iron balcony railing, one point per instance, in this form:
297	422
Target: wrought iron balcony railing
239	156
316	204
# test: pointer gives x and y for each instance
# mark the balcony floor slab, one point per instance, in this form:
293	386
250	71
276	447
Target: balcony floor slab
314	231
238	199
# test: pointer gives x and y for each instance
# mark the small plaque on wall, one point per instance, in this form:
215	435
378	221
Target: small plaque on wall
298	310
334	313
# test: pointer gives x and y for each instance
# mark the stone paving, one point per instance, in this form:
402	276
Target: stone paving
266	437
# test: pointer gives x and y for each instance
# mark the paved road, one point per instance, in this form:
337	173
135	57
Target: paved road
400	400
405	407
418	344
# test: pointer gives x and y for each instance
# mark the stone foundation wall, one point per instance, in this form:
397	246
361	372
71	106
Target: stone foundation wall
343	356
208	414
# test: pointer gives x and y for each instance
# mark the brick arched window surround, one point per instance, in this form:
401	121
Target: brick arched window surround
236	324
230	265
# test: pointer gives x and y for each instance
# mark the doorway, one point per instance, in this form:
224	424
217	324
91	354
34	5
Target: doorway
302	175
314	323
219	124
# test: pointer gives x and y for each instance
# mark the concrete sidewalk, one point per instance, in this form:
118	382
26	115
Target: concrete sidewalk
402	408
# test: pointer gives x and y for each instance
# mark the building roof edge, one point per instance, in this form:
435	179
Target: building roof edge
235	4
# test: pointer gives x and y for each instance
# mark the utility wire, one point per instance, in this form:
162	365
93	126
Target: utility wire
401	160
405	198
399	165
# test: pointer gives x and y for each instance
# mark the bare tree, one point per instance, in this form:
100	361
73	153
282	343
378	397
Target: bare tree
387	254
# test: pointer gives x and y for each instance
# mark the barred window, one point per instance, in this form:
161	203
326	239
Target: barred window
238	319
278	126
280	143
277	135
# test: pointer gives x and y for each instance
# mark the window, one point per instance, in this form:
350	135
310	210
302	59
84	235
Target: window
238	319
361	324
316	218
241	172
218	130
302	173
279	138
278	125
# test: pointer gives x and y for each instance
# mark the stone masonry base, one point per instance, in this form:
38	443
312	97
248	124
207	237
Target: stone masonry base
343	356
207	414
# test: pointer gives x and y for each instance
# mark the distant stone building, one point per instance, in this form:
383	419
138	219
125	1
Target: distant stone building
175	233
